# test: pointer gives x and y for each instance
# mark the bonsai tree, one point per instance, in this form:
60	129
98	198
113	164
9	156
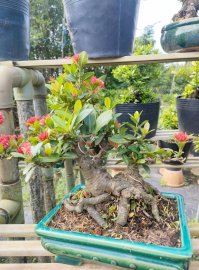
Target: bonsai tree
79	127
188	10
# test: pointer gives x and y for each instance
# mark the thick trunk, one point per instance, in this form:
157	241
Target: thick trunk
189	10
126	186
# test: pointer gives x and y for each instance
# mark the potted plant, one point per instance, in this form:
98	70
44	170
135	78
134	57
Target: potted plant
102	28
108	203
180	143
139	94
188	104
141	100
182	34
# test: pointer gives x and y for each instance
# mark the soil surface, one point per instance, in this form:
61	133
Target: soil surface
141	226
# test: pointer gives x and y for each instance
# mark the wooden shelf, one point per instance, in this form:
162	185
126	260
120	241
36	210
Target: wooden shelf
127	60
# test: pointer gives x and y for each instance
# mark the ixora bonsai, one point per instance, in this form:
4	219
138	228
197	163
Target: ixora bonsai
102	28
118	220
183	34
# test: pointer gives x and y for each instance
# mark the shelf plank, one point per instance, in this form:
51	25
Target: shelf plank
17	230
55	266
126	60
22	248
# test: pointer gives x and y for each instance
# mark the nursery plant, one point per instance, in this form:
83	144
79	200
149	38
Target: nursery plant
188	104
180	143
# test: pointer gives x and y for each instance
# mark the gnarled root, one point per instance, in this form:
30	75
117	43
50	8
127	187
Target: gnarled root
88	204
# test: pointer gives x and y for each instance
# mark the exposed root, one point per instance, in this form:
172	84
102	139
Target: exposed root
96	216
88	205
125	186
123	211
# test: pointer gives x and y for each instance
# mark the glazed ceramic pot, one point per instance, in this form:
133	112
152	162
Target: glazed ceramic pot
181	36
75	247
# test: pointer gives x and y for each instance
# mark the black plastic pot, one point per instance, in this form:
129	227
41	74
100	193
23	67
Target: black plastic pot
174	147
102	28
14	30
188	115
150	111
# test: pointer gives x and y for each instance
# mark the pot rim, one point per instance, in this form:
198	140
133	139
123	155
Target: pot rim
122	245
153	102
185	22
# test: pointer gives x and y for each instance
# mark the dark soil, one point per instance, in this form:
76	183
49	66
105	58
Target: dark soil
141	226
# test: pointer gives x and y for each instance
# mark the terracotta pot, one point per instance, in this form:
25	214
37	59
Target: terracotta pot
172	178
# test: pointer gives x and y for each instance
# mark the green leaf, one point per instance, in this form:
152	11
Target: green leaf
103	120
77	106
17	155
87	75
83	114
71	88
70	78
48	149
107	102
36	149
1	149
90	121
51	159
118	138
49	122
59	122
83	60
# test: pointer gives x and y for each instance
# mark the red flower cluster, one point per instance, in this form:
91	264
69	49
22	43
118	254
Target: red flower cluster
24	148
76	58
43	119
181	136
43	136
99	84
2	118
5	140
33	119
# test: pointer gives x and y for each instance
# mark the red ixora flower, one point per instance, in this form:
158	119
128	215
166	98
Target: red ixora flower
76	57
31	120
24	148
43	136
181	136
42	120
95	80
2	118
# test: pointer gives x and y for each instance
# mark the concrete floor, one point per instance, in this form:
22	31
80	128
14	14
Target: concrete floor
190	190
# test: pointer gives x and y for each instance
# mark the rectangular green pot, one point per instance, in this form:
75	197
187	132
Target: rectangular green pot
75	247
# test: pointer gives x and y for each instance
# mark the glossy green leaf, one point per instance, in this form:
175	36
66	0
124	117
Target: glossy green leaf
83	60
77	106
83	114
103	120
